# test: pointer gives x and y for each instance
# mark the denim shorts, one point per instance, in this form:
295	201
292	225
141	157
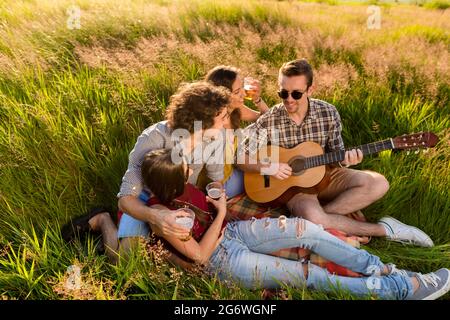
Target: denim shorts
131	227
235	183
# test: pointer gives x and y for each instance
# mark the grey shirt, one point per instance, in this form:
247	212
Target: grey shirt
158	136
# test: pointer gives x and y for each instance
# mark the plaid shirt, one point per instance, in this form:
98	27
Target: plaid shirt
322	124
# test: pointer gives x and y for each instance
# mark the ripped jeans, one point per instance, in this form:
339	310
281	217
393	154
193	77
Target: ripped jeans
243	256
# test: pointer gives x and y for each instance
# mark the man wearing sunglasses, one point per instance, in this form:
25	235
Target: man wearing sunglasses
300	118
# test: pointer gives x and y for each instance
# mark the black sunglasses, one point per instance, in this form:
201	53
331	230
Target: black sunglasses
296	94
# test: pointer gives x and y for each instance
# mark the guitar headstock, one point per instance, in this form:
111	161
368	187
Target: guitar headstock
415	141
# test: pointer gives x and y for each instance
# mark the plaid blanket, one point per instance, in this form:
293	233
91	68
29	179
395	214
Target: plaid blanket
242	207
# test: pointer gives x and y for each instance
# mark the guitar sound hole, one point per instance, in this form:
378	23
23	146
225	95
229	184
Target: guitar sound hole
297	165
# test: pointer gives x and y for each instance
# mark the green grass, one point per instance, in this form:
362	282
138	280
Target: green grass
72	103
432	35
438	4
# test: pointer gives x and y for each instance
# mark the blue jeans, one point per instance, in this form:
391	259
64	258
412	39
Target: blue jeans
243	256
131	227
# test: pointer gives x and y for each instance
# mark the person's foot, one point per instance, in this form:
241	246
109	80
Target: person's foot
432	285
79	226
400	232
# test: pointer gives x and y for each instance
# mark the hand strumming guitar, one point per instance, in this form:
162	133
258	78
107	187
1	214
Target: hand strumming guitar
279	171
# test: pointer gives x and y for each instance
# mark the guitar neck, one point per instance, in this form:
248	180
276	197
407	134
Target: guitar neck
337	156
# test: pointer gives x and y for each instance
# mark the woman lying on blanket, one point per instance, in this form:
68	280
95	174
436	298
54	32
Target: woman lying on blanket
239	250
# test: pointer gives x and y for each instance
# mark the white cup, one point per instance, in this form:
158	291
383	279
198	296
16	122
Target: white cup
185	221
214	190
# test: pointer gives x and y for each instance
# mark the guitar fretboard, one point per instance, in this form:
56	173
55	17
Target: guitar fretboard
337	156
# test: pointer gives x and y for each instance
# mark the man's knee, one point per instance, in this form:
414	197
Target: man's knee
383	184
377	185
374	184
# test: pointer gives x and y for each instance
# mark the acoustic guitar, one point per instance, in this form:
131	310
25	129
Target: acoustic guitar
308	162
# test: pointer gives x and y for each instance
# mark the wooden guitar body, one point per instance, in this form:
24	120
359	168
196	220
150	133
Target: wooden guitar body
264	188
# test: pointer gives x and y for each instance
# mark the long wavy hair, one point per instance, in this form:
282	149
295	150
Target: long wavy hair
224	76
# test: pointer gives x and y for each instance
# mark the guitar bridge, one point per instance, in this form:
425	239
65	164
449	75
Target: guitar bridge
266	181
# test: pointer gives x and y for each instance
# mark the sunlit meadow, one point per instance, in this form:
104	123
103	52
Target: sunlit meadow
76	93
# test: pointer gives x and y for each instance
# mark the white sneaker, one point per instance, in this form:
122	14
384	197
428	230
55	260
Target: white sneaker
432	285
400	232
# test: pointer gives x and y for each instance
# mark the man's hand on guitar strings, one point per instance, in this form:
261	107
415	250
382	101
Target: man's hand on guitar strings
352	157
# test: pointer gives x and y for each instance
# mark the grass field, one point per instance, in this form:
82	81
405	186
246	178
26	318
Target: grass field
73	101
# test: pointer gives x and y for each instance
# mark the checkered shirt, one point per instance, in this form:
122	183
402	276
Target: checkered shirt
322	124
